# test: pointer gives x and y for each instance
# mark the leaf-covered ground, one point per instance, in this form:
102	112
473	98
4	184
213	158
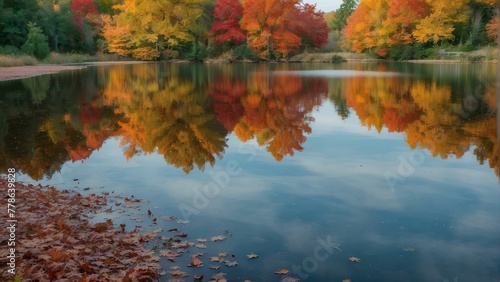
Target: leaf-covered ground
65	236
55	240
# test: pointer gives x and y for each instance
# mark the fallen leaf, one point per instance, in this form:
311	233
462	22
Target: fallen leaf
214	267
289	279
346	280
219	277
201	240
200	246
217	259
231	263
222	254
179	273
282	271
182	221
354	259
252	256
409	249
217	238
195	261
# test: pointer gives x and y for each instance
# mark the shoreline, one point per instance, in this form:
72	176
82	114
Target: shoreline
21	72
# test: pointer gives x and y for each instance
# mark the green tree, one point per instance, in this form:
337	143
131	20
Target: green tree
37	43
14	17
339	19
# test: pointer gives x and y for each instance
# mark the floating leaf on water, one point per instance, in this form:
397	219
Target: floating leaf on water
195	261
200	246
217	259
409	249
252	256
201	240
354	259
231	263
179	273
219	277
214	267
289	279
217	238
182	221
222	254
282	271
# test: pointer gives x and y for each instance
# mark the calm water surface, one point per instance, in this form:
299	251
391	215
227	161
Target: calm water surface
396	164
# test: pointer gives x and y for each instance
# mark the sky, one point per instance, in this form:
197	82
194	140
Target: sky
325	5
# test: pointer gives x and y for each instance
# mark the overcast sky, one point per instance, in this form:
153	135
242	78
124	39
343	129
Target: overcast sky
325	5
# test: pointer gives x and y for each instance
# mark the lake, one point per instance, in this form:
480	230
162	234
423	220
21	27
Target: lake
305	165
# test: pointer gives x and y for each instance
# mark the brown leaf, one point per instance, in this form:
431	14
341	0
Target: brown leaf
57	255
195	261
282	271
179	273
354	259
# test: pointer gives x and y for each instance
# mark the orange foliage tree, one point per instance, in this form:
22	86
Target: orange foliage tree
364	28
402	18
278	27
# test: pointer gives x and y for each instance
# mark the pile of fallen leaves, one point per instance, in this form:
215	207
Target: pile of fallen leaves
55	240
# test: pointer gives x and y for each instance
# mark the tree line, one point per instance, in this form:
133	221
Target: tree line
404	29
150	29
250	29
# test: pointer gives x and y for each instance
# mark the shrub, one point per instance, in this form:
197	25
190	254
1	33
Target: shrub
243	52
338	59
9	50
37	43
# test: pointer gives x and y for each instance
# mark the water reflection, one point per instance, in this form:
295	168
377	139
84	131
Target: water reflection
185	112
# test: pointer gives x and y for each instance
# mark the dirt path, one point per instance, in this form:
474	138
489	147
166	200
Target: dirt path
10	73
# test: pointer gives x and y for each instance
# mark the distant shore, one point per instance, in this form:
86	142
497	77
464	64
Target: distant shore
20	72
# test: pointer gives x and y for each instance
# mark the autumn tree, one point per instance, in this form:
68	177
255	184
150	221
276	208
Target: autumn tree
439	24
227	28
142	29
401	21
311	26
365	25
281	26
85	15
492	28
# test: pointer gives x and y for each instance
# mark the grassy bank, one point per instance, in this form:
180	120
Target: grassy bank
486	54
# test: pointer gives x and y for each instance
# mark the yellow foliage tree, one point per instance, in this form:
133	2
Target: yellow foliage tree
142	28
438	25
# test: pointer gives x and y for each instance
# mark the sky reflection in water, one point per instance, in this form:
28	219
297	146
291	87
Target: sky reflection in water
318	155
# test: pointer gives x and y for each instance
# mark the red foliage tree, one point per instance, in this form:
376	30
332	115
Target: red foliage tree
311	26
227	28
85	9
